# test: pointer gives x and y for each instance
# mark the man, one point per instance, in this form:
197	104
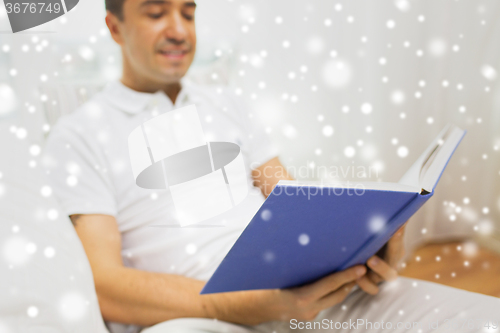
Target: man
147	270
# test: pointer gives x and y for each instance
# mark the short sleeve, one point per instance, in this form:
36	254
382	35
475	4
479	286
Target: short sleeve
77	172
258	145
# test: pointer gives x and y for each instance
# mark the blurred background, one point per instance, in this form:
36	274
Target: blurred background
350	84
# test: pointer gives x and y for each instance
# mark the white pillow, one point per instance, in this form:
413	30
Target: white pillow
47	284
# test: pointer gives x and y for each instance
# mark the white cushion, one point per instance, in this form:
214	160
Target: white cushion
47	284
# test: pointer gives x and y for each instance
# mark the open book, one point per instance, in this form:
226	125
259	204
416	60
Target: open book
307	230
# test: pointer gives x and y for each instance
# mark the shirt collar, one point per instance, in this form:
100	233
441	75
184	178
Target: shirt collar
133	101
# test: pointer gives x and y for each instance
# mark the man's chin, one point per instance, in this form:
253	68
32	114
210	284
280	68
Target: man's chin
169	76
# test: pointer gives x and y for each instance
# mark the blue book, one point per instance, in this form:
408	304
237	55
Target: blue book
307	230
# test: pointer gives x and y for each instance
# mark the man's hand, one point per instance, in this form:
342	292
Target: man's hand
301	303
383	265
307	301
269	174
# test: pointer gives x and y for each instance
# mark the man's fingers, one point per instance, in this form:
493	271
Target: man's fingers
332	282
395	248
335	297
382	268
374	277
366	284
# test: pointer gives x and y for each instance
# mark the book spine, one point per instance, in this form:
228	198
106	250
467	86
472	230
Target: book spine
378	241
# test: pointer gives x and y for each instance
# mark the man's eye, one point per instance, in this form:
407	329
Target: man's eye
155	15
189	17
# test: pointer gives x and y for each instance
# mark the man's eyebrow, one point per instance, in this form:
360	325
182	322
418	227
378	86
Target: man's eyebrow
151	2
159	2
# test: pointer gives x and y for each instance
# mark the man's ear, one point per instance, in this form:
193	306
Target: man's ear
114	26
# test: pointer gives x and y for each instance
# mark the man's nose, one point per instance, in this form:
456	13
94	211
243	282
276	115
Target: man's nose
176	30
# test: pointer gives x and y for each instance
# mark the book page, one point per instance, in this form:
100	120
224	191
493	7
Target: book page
434	166
422	176
412	177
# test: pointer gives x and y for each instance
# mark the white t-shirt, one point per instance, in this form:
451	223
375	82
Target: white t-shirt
87	161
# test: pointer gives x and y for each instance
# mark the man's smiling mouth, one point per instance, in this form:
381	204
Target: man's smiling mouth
173	54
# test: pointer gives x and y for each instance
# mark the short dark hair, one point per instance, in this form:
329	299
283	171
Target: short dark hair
115	7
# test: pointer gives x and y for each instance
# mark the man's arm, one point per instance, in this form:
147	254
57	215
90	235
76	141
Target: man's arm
131	296
128	295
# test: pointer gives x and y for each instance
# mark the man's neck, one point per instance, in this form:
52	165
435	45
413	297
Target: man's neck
171	89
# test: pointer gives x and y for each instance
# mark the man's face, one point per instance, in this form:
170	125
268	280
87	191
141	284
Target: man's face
159	38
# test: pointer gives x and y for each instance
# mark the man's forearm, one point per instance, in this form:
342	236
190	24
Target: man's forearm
131	296
144	298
